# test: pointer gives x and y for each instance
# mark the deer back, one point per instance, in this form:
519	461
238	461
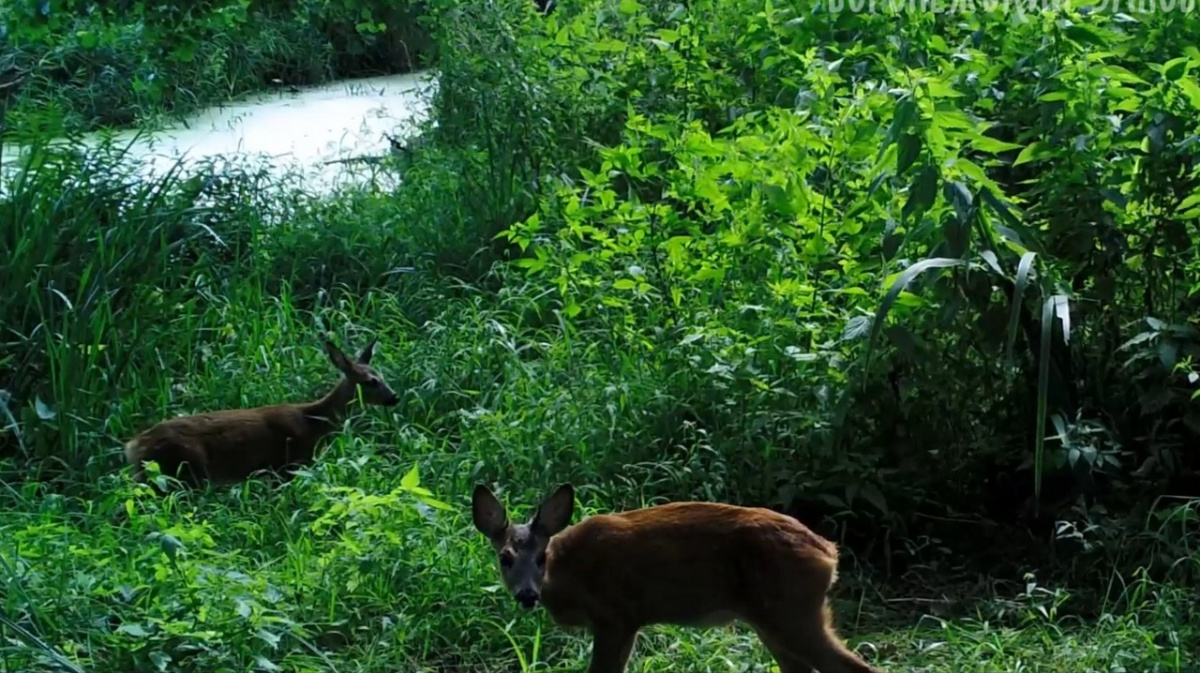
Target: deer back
687	563
229	445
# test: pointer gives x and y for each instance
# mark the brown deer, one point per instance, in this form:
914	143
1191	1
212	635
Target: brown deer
692	564
227	446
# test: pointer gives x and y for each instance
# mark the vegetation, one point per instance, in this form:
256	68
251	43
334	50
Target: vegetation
929	281
95	64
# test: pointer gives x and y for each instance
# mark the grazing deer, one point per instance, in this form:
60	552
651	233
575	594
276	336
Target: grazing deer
227	446
688	563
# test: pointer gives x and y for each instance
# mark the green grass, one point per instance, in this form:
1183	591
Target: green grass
687	318
345	569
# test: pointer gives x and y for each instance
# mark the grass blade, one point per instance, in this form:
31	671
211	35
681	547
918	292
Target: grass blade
1019	285
906	277
1054	306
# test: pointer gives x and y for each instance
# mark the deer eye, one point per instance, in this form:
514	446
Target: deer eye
541	560
506	560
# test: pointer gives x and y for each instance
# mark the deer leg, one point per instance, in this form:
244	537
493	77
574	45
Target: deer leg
611	647
811	637
787	660
192	465
184	462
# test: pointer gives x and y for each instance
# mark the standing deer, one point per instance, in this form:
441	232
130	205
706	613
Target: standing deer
688	563
227	446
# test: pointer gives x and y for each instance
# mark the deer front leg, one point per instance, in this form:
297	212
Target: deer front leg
611	647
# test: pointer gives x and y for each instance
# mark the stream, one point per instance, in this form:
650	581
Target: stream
296	132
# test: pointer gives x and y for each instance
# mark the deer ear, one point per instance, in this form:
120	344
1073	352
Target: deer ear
488	514
555	512
368	353
336	356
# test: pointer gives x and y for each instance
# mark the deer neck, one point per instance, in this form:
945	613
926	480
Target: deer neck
330	409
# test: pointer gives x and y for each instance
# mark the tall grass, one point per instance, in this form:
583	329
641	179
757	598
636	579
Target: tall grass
638	367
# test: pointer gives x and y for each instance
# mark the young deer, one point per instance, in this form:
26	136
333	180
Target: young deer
688	563
227	446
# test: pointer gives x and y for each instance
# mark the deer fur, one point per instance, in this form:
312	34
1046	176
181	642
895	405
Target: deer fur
228	446
691	564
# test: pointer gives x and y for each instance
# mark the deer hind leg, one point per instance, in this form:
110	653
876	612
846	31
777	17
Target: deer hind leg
787	660
611	648
187	463
811	636
798	623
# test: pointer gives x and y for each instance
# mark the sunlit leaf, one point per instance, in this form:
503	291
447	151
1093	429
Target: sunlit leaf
1175	68
411	478
992	145
1032	152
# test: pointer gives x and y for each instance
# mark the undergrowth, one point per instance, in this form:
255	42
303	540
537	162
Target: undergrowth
929	290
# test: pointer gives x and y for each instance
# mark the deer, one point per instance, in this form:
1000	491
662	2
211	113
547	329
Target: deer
224	447
690	564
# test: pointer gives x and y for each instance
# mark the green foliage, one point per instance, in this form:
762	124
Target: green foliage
114	64
928	281
761	249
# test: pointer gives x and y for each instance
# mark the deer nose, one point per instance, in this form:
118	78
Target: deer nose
527	598
391	401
